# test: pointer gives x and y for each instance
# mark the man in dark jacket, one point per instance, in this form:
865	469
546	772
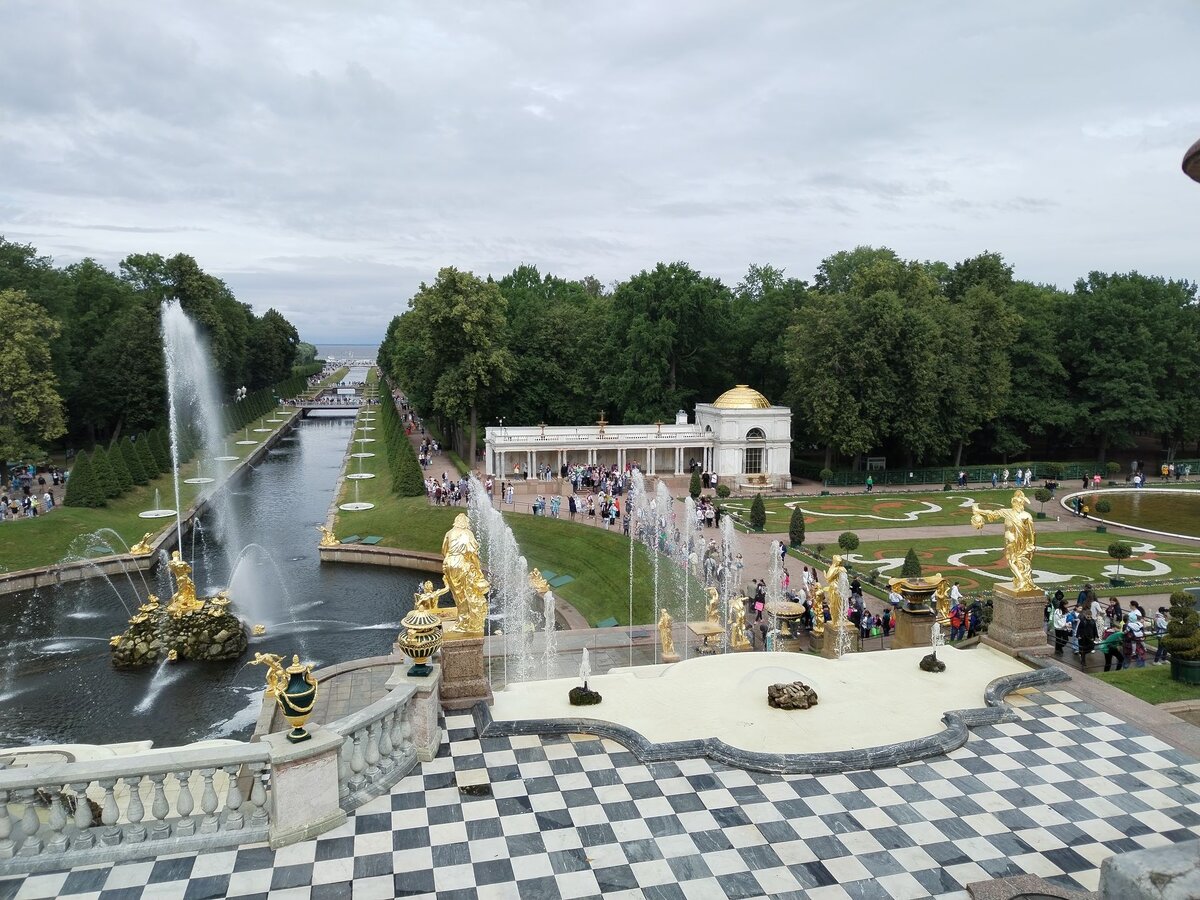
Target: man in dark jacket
1086	634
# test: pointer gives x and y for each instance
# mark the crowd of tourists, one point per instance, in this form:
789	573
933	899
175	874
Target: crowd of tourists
1092	626
30	492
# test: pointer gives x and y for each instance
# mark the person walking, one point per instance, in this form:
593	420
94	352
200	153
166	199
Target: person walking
1062	631
1086	634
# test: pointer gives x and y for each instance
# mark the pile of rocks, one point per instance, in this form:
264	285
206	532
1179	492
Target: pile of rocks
211	633
796	695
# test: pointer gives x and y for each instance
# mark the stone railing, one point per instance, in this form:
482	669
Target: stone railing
62	815
161	801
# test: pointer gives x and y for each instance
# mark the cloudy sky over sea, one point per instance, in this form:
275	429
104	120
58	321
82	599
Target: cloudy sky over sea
324	159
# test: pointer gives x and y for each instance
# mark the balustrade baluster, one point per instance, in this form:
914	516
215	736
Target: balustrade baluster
109	814
357	762
159	807
233	800
184	805
8	848
31	845
208	803
258	799
406	732
398	745
388	761
371	752
83	817
344	770
135	811
58	824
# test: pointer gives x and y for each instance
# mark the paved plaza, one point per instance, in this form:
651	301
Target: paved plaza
1051	794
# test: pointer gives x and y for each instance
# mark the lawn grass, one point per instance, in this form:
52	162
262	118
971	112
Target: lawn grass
29	543
1152	684
597	559
1079	554
846	512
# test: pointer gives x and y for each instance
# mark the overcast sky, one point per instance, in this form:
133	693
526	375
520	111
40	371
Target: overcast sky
324	159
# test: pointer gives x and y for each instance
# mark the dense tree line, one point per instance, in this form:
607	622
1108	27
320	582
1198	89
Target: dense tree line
89	361
923	362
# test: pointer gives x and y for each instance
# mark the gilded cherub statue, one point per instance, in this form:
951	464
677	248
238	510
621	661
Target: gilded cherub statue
539	584
665	637
276	678
713	613
142	547
426	598
1019	538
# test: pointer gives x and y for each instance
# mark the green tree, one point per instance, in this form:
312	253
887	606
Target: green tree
796	527
763	308
160	447
146	455
758	513
1041	495
912	565
848	541
102	472
306	353
116	462
82	488
133	463
694	485
271	350
31	410
1119	550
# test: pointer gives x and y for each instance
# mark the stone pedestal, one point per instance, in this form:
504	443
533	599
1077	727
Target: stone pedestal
913	627
829	640
424	708
1018	620
464	676
304	786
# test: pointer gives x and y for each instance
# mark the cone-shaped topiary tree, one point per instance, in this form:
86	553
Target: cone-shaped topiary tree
133	463
146	455
161	449
694	486
82	490
912	565
116	462
103	474
758	513
796	527
1183	631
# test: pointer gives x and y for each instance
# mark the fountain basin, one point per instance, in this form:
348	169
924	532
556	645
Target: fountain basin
365	440
725	698
1169	512
225	458
366	428
156	514
246	443
200	480
360	475
356	507
361	455
263	430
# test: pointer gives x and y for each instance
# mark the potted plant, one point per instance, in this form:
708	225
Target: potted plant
826	474
1041	495
1118	550
1103	508
758	513
1183	638
1113	469
796	527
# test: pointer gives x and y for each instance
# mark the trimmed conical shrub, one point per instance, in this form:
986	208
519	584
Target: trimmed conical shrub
758	513
82	489
116	462
133	463
103	473
694	486
796	527
146	455
161	450
912	565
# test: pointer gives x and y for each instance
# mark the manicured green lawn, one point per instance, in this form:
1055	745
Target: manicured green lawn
848	512
1152	684
28	543
597	559
1082	555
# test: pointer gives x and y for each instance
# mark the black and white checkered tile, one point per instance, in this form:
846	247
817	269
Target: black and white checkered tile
1052	794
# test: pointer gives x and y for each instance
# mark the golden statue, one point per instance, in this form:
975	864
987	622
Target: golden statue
664	634
539	584
142	547
837	590
1019	539
713	613
463	574
817	595
328	538
942	594
276	679
183	601
737	624
426	598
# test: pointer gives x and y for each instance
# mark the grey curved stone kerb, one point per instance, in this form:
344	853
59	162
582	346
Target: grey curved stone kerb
958	722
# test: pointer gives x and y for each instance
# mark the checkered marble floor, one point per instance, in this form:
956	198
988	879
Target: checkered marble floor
1052	794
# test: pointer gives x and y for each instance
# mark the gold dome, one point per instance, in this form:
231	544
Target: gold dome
742	396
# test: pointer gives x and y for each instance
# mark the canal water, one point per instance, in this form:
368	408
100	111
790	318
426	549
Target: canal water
57	684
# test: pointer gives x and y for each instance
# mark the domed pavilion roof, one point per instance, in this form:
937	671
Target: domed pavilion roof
742	397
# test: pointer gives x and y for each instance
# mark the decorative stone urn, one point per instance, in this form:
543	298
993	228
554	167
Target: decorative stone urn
420	637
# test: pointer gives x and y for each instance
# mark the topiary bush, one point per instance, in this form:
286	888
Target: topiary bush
1183	631
1113	469
102	472
912	565
137	472
146	455
116	462
694	486
758	513
1041	495
848	541
723	491
1119	550
1103	507
826	474
82	490
796	527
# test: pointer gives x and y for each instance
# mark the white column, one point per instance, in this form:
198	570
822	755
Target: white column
529	455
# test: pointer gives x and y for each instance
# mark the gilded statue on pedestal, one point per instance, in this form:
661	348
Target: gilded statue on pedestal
1019	538
426	598
837	590
817	595
942	595
539	584
328	538
713	613
184	600
463	574
142	547
737	624
665	637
